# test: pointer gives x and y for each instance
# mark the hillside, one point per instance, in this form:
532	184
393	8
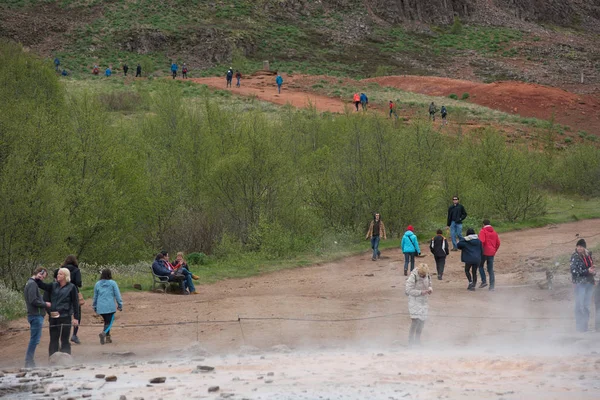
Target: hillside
550	42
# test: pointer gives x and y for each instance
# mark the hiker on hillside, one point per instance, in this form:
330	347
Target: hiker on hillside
174	69
184	71
375	232
356	100
432	111
364	100
95	70
444	113
64	72
56	64
410	248
125	69
64	310
279	82
491	243
238	77
472	252
582	275
229	77
456	215
106	294
138	71
393	109
418	288
439	249
36	310
108	72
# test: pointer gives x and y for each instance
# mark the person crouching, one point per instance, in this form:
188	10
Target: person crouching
418	288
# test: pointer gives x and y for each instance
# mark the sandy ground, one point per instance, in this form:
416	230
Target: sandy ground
517	339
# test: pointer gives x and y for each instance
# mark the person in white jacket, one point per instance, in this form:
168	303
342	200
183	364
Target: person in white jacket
418	288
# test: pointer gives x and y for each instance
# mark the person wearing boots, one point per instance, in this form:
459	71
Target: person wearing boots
375	233
456	216
107	300
582	276
472	251
490	241
418	289
439	248
410	248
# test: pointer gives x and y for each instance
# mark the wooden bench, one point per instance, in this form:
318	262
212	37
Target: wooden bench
164	282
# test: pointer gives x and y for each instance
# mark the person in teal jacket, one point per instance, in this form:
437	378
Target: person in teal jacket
279	82
106	294
410	248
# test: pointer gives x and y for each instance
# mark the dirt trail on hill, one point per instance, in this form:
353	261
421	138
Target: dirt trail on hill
581	112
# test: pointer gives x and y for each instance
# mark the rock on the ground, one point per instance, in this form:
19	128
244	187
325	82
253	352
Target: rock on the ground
111	378
213	389
205	368
61	359
55	387
160	379
100	376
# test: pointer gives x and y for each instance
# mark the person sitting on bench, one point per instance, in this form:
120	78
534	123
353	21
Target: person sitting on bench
160	269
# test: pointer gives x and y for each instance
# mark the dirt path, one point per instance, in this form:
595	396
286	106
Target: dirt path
354	287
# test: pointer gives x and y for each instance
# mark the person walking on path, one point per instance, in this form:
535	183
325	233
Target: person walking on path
229	77
490	242
108	72
57	64
72	265
471	254
410	248
393	109
364	101
582	275
36	310
184	71
432	111
375	233
64	310
279	82
439	249
125	69
138	71
174	69
456	215
107	300
238	77
356	100
444	113
418	289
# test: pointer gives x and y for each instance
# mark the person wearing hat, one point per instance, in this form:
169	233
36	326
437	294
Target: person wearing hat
471	254
410	248
582	275
375	233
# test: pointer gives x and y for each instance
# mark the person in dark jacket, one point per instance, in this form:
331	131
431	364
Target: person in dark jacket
456	215
125	69
375	232
107	300
472	252
138	71
64	310
36	309
160	269
238	77
582	275
439	248
72	265
364	100
490	241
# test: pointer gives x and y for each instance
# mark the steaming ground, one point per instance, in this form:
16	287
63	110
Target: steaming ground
515	343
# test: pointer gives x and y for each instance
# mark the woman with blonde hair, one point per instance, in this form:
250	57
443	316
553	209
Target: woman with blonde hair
418	288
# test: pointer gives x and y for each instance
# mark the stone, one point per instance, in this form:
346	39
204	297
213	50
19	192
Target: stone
137	286
55	387
205	368
21	375
270	374
100	376
61	359
86	395
123	397
213	389
38	390
155	362
160	379
268	381
111	378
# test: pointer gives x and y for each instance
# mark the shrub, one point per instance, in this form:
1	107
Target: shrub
453	96
568	139
12	304
582	134
197	259
457	27
120	101
465	96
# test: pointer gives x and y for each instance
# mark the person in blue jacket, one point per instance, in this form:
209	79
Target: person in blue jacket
279	82
174	68
159	268
106	294
108	72
364	100
410	248
472	252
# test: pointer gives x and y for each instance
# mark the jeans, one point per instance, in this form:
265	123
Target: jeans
490	269
228	82
409	257
440	263
364	105
455	231
60	328
237	83
188	283
583	300
35	326
278	88
471	273
375	246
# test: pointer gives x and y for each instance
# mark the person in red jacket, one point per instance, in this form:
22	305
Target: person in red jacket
356	100
491	243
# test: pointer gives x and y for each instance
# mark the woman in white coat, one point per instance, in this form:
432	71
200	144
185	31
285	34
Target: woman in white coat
418	288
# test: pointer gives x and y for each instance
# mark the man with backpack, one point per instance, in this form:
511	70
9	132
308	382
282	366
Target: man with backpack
439	248
125	69
229	77
138	71
364	100
432	111
184	71
174	69
279	82
444	113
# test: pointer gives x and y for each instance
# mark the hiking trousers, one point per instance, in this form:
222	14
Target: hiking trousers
471	273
